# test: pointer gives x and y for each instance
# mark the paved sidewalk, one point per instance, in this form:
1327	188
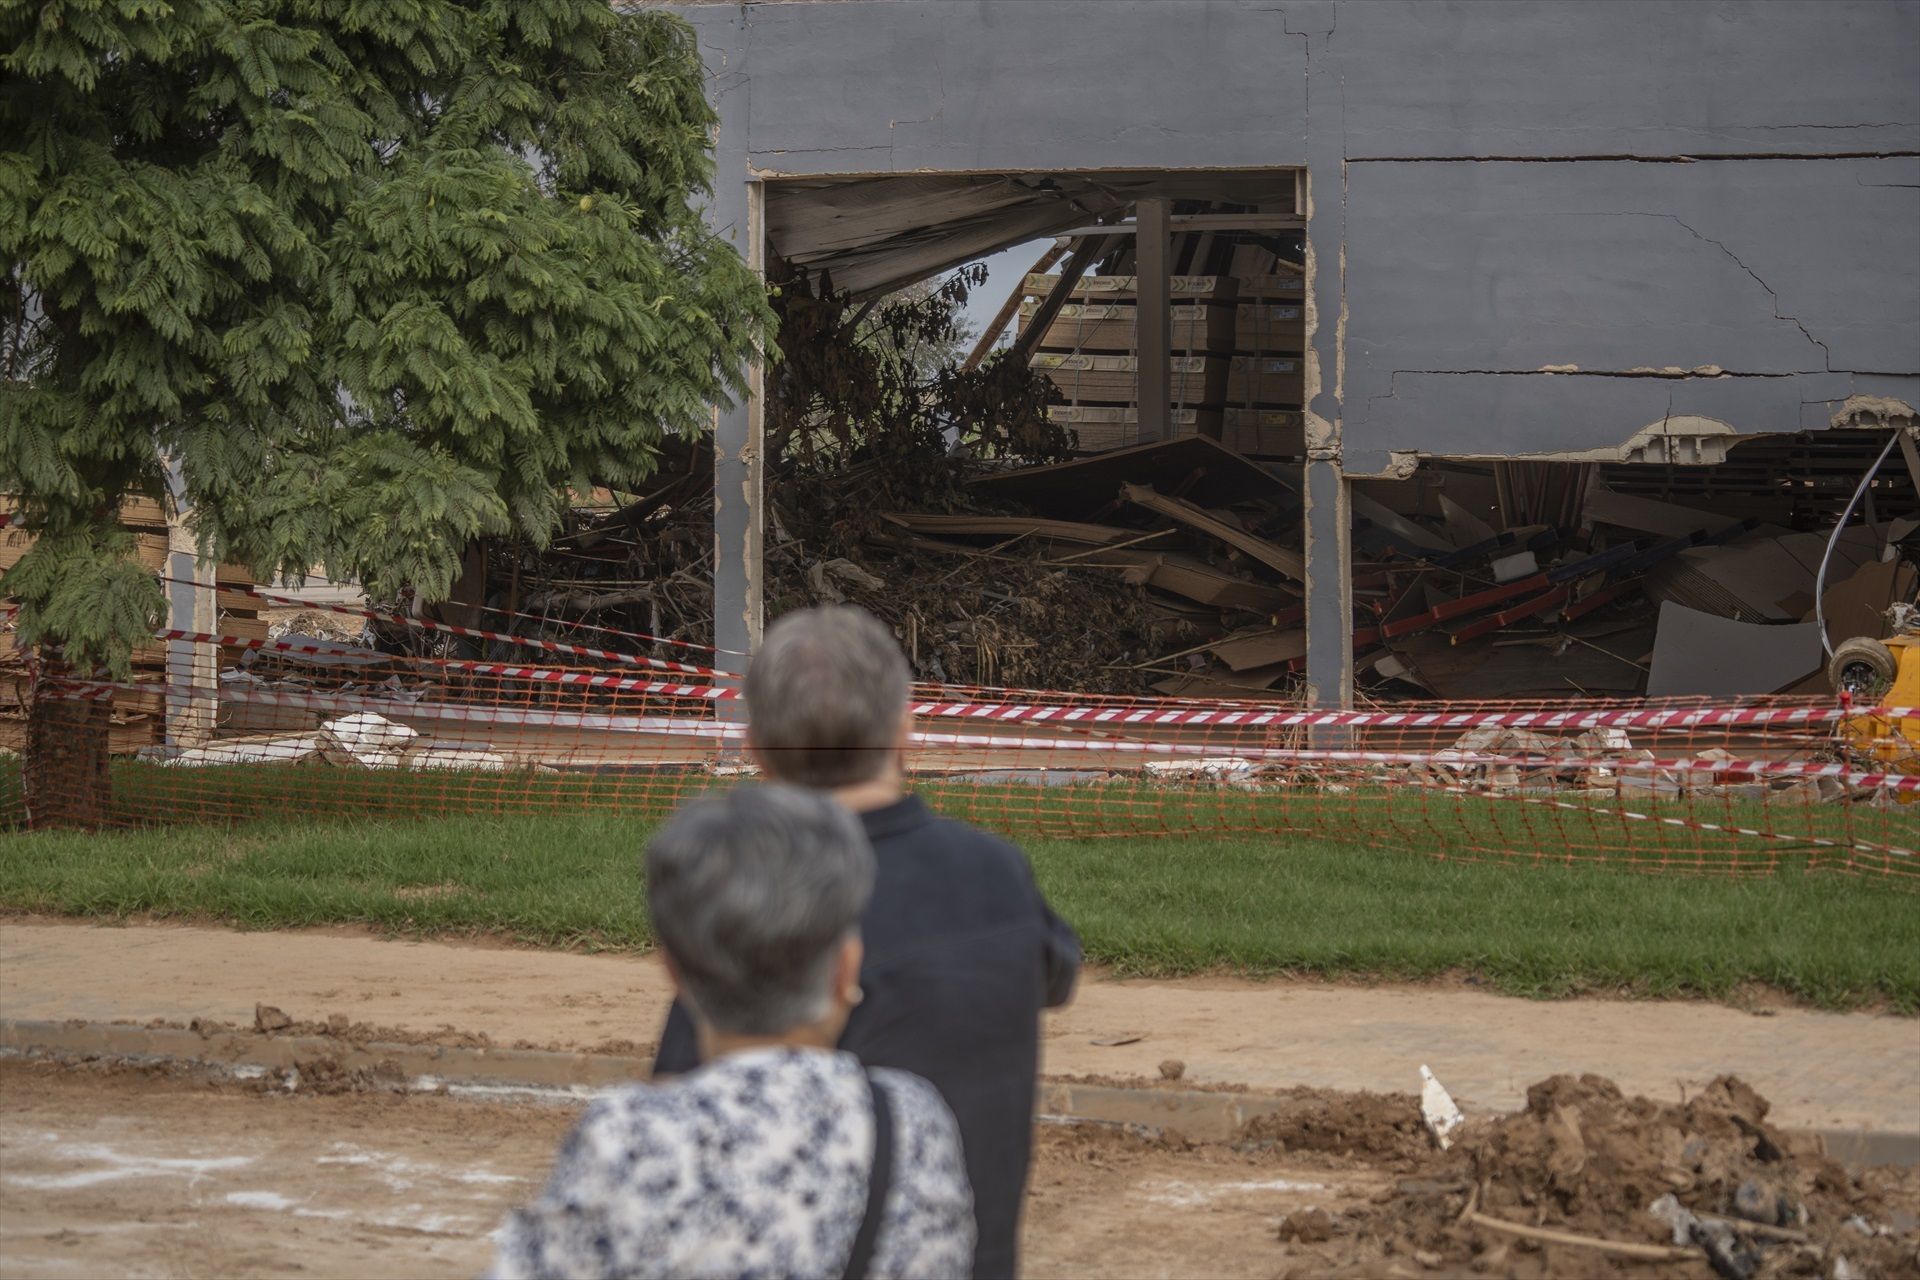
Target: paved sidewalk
1820	1070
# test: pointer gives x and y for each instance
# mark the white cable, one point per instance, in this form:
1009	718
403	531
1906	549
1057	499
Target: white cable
1833	540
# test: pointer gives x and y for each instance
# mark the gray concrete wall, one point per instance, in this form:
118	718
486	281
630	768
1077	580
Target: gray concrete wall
1495	182
1536	226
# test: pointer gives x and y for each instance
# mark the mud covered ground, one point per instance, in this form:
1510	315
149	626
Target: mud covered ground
147	1173
139	1174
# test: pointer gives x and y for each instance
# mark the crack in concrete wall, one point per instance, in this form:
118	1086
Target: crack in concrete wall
1633	157
1825	354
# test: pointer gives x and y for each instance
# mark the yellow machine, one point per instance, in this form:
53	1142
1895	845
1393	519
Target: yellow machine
1877	673
1882	673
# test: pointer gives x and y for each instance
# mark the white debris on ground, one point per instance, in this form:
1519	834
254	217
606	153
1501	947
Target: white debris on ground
1437	1109
366	738
445	756
1206	768
268	749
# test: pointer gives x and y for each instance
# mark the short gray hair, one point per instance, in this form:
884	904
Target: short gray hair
752	890
825	694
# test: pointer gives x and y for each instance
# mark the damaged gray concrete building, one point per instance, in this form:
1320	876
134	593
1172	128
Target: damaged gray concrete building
1560	231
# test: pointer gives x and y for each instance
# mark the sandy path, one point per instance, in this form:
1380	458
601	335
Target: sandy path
132	1176
1821	1070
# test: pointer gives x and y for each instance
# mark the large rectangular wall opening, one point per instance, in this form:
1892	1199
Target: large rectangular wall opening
1118	483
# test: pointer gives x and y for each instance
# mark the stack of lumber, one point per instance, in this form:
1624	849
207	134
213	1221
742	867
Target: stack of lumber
1236	355
1090	352
1266	381
138	715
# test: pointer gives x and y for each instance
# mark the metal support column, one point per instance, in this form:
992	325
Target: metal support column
1329	555
739	509
1152	342
1326	489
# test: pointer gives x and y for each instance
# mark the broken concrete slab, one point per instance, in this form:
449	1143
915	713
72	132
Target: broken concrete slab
1695	652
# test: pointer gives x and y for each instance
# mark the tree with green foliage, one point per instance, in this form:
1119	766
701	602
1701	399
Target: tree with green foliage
380	276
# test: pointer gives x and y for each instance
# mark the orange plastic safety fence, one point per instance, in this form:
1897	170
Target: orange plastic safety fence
316	729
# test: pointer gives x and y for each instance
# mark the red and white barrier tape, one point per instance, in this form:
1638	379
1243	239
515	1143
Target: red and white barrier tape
483	715
1732	769
541	675
1667	718
476	633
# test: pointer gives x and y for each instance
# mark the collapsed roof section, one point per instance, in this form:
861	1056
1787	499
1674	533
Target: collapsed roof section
873	235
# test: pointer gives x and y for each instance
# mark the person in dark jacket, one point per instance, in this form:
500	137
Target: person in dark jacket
962	951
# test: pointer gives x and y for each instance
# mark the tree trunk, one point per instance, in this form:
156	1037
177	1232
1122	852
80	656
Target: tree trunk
65	775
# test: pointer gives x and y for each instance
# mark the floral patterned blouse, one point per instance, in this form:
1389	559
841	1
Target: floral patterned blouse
756	1165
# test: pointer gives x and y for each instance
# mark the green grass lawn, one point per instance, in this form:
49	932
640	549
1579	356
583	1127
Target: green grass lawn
1145	905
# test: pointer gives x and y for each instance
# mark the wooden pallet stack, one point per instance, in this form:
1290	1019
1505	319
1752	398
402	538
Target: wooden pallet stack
1266	382
138	715
1237	345
1091	353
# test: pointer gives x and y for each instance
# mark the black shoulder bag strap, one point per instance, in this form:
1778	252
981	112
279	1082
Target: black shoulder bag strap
879	1182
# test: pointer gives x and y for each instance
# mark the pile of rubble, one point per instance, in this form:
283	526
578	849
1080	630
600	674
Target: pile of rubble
1176	568
1586	1182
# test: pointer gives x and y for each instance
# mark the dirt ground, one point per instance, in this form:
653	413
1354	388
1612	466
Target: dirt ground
135	1174
1820	1070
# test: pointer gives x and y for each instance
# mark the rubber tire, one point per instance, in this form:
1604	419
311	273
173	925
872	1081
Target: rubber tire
1861	651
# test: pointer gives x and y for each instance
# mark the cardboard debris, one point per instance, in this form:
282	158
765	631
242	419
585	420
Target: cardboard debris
1857	606
1219	682
1194	579
1245	650
1766	576
1702	653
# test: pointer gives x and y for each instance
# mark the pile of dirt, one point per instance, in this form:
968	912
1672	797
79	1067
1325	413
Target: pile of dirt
269	1020
1385	1128
1705	1184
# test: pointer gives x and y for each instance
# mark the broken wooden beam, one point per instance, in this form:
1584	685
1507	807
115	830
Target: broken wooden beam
1010	308
1282	559
1084	255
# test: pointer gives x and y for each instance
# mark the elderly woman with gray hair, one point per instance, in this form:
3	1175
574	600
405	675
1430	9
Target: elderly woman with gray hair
781	1156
